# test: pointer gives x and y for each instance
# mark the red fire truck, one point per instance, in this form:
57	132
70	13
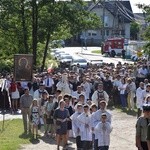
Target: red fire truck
113	44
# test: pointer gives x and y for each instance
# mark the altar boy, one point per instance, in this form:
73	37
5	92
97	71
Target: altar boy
85	128
76	126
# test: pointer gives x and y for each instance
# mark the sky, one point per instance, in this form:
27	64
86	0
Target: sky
135	9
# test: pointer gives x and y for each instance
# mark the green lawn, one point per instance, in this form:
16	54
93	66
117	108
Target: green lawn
12	136
96	51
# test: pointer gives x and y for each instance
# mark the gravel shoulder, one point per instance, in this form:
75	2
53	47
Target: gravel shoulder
122	136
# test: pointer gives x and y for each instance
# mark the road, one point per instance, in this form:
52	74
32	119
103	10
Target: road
88	55
122	136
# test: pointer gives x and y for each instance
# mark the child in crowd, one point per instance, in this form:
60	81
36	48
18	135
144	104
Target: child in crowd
147	100
76	126
104	129
35	117
49	110
85	128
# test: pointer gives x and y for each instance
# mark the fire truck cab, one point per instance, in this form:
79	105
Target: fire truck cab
113	44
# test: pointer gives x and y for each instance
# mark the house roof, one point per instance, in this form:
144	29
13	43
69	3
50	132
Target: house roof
124	10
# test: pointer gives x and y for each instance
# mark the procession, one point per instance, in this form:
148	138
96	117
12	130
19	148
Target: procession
75	103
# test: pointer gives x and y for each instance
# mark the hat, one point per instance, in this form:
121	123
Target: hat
146	107
103	101
148	85
103	114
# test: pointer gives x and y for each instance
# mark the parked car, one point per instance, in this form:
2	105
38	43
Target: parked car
59	57
58	53
81	61
65	58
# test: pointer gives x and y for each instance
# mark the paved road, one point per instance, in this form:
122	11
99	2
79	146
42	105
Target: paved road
90	56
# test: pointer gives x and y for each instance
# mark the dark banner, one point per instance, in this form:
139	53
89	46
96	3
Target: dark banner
23	67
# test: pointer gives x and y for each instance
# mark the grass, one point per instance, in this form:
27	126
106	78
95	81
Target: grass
96	51
12	136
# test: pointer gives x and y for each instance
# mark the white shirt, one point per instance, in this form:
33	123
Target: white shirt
116	82
142	72
103	130
95	119
48	82
122	88
86	132
75	124
139	99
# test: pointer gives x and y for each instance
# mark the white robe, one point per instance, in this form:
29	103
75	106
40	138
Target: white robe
87	89
64	87
96	118
75	124
103	133
95	97
139	99
86	133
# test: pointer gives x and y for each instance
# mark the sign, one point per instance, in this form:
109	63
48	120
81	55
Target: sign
126	42
23	67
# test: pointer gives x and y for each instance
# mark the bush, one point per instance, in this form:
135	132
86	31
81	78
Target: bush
6	65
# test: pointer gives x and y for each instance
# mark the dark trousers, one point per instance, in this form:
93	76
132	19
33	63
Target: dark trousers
49	90
87	145
78	142
144	145
103	147
96	144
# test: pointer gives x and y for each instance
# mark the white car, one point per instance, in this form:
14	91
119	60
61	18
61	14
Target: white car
81	61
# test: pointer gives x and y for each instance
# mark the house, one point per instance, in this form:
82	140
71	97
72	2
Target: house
116	17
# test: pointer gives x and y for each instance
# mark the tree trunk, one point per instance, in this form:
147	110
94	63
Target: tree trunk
24	27
34	30
45	51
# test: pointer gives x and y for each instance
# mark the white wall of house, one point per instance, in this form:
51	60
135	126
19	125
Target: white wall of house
127	30
94	37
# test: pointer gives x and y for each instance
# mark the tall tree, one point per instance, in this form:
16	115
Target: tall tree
26	25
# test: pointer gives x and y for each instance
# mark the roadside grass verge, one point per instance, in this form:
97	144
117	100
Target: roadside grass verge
12	136
96	51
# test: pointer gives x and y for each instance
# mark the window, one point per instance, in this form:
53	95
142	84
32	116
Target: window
89	34
94	34
107	32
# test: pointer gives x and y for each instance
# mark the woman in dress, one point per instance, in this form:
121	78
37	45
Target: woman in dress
14	92
61	115
35	117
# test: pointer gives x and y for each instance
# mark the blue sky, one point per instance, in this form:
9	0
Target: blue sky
134	2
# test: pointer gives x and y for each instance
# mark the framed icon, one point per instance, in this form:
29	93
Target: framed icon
23	67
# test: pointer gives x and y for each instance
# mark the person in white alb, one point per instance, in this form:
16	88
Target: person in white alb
76	126
85	128
139	99
99	95
49	82
95	119
63	85
103	128
87	87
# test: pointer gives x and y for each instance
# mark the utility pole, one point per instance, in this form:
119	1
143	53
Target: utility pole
103	20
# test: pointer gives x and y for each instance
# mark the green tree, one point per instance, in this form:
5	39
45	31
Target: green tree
27	26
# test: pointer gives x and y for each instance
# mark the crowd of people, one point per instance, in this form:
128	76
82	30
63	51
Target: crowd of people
74	102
